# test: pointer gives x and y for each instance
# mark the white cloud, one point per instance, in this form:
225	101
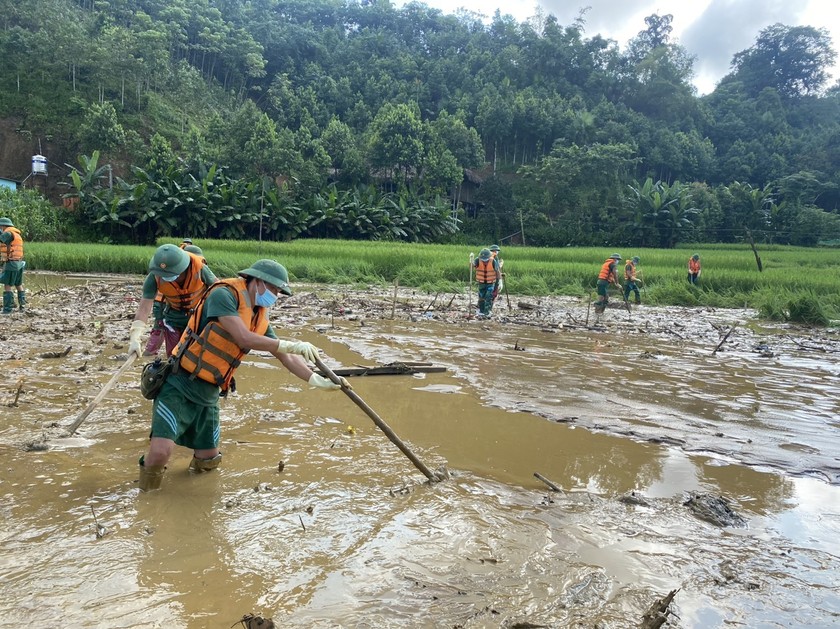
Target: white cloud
712	30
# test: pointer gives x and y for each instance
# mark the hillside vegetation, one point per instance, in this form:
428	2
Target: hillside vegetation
354	119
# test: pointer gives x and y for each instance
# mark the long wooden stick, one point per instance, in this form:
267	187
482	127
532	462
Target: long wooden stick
433	478
723	340
548	482
469	302
83	415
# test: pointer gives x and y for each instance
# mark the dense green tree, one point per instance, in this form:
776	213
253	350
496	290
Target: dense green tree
793	60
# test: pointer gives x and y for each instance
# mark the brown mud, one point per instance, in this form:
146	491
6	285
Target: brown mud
317	520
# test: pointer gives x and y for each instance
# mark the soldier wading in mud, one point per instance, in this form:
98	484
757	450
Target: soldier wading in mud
180	278
606	277
230	320
11	260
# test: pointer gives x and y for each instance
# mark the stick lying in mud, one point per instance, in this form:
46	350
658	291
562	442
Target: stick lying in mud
548	482
83	415
432	476
722	341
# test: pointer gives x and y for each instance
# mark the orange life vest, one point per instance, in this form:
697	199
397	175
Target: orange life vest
484	272
14	250
629	271
693	265
212	355
608	271
184	298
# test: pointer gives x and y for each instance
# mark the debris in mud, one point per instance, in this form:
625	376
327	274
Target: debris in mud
55	354
249	621
281	465
723	340
634	499
36	446
391	369
714	509
657	614
552	486
650	355
764	351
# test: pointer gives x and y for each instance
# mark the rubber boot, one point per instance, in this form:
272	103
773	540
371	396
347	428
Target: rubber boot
151	476
8	301
205	465
21	298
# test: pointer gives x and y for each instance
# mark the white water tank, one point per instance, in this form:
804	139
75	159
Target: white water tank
39	165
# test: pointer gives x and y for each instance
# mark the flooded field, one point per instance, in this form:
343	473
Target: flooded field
630	419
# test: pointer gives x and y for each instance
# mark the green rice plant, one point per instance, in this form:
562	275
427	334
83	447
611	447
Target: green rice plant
730	277
808	308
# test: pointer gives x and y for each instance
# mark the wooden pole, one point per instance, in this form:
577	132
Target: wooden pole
83	415
394	300
588	306
553	486
504	284
469	303
433	477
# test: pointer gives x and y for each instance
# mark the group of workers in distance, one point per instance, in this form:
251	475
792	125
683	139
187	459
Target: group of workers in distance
609	277
489	277
208	326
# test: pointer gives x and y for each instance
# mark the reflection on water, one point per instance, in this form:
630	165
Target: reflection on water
349	534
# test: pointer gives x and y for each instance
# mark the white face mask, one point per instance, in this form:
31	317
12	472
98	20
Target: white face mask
168	278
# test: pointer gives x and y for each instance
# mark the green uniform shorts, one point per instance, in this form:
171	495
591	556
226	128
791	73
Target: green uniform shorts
603	285
184	422
12	275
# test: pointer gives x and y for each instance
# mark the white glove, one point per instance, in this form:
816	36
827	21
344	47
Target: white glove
302	348
135	332
325	383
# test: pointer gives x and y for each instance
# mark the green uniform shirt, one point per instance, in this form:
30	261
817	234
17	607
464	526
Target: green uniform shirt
220	303
175	318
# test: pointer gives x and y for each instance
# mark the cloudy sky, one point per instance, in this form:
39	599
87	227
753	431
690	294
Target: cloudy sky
712	30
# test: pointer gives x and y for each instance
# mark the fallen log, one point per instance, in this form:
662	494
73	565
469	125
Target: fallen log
391	369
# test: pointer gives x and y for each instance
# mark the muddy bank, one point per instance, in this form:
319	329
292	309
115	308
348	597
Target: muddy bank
634	421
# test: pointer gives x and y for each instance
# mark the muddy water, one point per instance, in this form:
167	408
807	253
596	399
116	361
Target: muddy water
350	535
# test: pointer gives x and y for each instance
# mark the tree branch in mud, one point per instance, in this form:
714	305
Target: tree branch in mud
723	340
657	614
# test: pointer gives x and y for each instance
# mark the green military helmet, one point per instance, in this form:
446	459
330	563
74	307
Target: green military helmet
6	222
615	256
169	260
270	272
635	260
484	254
696	256
194	249
495	248
186	241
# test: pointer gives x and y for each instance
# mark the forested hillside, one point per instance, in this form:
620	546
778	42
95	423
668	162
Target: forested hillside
353	118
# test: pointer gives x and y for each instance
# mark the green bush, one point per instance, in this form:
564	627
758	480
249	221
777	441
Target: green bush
34	216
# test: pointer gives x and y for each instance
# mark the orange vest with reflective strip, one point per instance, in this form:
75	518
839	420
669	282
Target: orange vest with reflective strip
693	265
184	298
629	271
212	355
14	250
484	272
607	270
